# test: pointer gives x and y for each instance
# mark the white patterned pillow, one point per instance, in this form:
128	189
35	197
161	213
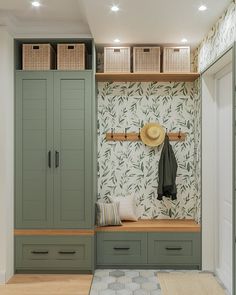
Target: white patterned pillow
127	207
107	214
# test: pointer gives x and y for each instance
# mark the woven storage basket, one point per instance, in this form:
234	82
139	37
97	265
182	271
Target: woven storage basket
176	59
117	59
38	57
146	59
70	56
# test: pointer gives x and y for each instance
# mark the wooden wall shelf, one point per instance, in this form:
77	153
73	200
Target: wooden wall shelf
146	77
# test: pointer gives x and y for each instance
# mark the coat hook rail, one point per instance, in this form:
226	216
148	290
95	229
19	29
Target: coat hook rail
134	136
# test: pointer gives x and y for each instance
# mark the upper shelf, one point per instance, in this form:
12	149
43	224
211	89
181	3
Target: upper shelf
146	77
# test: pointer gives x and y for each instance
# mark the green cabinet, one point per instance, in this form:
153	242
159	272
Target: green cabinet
172	250
41	253
121	248
53	149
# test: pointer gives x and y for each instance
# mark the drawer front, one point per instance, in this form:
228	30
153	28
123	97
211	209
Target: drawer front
121	248
56	253
174	248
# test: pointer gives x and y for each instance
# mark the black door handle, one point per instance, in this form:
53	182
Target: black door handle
66	252
49	159
57	159
121	248
174	248
39	252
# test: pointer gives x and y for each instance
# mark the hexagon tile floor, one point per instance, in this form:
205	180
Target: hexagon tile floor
125	282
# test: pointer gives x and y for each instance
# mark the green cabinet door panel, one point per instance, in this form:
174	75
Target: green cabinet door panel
121	248
33	141
73	145
53	124
174	248
54	253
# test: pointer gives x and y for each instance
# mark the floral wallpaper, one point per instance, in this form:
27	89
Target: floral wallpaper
220	37
131	167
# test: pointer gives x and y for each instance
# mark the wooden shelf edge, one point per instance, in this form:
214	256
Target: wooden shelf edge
52	232
146	77
158	225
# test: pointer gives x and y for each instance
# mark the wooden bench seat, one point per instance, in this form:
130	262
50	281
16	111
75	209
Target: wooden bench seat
154	225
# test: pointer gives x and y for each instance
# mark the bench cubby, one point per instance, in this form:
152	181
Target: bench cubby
172	244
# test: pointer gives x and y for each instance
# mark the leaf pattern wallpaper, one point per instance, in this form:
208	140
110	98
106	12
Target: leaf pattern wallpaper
131	167
219	39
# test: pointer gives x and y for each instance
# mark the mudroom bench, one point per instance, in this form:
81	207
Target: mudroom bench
170	244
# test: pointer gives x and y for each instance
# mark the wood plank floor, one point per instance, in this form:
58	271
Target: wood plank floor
47	285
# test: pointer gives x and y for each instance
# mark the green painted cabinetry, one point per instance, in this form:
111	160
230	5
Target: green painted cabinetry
149	249
53	149
121	248
174	248
41	253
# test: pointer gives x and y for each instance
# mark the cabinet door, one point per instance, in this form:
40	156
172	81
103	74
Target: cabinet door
73	150
34	140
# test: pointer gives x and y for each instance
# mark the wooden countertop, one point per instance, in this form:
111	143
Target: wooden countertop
53	232
154	225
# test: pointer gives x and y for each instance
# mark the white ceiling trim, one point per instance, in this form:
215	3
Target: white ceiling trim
52	29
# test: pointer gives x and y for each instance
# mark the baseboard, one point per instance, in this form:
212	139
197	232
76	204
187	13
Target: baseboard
2	277
223	279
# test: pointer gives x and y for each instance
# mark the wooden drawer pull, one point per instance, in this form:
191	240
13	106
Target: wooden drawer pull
66	252
174	248
39	252
121	248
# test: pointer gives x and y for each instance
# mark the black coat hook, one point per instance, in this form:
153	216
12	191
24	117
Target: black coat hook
112	134
179	135
125	133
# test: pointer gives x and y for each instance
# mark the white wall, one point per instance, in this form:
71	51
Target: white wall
208	172
6	155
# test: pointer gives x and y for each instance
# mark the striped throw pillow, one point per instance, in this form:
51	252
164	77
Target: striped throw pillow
107	214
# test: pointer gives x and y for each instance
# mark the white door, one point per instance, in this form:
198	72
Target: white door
225	167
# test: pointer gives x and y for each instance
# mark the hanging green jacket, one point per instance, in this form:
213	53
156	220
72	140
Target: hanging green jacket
167	172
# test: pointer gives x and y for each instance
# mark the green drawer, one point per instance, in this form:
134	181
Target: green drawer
54	252
174	248
121	248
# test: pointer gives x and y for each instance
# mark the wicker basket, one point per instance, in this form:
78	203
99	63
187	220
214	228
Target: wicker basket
176	59
70	56
117	59
146	59
38	57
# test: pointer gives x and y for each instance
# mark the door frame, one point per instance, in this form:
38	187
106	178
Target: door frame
228	68
208	222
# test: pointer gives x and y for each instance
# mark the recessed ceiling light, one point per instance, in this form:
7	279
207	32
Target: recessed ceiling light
184	40
117	40
202	8
36	3
115	8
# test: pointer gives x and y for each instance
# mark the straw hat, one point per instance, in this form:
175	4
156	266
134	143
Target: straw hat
152	134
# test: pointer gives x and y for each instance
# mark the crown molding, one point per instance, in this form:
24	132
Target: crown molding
59	29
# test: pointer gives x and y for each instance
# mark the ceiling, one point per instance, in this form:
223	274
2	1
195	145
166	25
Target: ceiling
138	21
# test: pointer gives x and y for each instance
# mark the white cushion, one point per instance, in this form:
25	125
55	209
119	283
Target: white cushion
127	208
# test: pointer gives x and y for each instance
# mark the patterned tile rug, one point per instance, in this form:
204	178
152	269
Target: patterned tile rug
133	282
125	282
